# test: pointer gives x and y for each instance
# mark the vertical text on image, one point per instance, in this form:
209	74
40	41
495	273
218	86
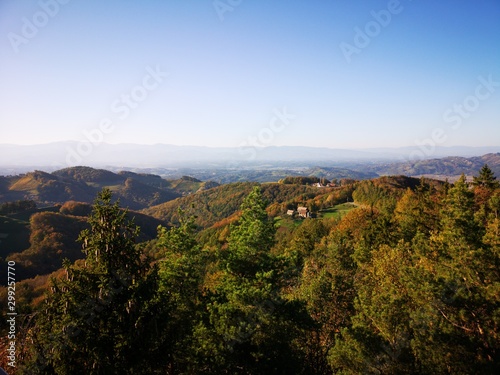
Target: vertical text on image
11	313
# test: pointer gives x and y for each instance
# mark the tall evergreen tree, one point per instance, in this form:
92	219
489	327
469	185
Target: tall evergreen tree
485	185
456	291
458	223
327	289
486	178
250	328
105	316
182	269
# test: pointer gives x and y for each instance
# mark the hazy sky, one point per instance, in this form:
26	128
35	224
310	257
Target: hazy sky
342	73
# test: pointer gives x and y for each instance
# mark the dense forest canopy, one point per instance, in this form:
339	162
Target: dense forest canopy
407	281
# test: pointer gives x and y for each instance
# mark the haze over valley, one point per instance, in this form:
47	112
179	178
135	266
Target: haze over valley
249	187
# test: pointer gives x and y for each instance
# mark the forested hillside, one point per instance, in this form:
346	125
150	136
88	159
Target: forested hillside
135	190
219	203
38	240
406	283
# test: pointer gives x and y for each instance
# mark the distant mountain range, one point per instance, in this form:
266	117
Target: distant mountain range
141	190
52	156
136	171
438	168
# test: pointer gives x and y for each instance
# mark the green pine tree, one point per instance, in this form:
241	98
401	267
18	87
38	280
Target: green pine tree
249	328
455	289
458	222
182	271
105	316
486	178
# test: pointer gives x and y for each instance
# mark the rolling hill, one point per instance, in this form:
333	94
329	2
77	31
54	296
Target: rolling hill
135	190
213	205
48	188
51	237
444	167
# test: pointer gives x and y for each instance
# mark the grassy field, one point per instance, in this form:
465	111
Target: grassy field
287	222
337	211
333	212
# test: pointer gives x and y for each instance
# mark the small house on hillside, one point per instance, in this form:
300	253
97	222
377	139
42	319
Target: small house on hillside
304	212
291	212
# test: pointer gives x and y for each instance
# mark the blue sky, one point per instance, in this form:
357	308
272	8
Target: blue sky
228	66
